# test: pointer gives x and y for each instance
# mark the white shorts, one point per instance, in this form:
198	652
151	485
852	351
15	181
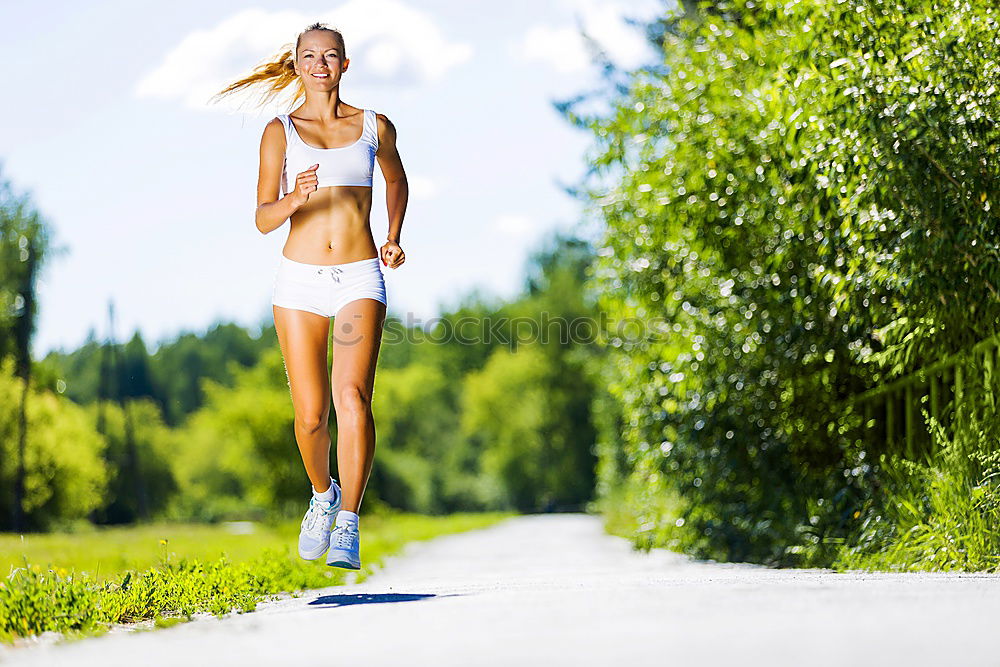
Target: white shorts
326	288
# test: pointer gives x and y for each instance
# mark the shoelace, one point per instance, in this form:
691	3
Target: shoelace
318	518
344	537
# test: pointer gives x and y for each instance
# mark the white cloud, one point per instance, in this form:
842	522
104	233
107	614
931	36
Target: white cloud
563	48
378	34
518	226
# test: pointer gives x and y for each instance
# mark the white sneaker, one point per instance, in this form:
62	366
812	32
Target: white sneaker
314	534
344	542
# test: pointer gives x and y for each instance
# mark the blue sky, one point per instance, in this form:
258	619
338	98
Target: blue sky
151	190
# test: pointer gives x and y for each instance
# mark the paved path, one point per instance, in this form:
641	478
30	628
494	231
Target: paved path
556	590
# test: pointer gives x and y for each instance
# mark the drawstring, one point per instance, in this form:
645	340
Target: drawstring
334	272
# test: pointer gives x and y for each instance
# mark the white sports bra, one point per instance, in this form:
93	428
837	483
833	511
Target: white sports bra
345	165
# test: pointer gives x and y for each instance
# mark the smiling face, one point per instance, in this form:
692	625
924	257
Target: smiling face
320	59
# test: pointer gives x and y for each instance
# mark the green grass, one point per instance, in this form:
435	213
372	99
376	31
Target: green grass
107	552
82	582
941	513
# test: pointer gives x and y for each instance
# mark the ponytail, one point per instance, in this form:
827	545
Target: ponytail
278	72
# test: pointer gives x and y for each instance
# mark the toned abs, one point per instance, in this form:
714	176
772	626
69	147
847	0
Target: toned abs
333	227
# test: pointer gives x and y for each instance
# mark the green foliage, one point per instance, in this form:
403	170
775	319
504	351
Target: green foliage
181	366
939	514
72	470
529	413
137	452
104	552
796	207
648	511
172	376
203	428
25	248
66	477
35	600
236	457
416	426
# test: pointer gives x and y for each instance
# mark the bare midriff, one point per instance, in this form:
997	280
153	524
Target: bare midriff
333	227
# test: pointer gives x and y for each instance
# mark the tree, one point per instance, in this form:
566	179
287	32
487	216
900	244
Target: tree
24	248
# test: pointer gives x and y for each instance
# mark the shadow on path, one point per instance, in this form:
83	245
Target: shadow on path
372	598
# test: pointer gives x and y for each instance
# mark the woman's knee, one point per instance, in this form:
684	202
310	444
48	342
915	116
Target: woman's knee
311	421
352	398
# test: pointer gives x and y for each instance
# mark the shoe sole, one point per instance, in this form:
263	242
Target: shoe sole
344	563
336	508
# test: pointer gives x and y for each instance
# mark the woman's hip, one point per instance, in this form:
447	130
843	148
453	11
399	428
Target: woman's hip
361	270
325	288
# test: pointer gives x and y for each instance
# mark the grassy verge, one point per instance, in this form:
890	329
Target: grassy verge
646	512
935	514
82	583
938	515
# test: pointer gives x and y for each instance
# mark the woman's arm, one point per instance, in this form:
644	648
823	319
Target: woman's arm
397	190
272	209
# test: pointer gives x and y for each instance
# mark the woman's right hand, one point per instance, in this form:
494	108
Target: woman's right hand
306	183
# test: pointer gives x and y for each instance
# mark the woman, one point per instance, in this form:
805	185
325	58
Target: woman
321	156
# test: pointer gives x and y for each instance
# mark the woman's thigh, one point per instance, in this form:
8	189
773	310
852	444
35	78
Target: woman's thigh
304	338
357	334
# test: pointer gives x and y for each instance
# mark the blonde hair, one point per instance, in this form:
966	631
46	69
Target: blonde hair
278	72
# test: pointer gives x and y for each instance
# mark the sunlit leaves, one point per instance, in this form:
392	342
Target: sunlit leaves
804	175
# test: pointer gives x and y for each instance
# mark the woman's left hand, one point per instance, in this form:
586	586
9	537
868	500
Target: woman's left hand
392	255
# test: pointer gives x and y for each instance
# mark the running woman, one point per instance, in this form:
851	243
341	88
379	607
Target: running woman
316	166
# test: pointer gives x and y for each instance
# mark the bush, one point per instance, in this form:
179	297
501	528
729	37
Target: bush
792	182
65	474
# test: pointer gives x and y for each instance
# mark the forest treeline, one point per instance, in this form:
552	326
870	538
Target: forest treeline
479	411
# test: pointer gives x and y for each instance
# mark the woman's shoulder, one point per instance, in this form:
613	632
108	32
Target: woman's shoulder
385	130
275	132
276	122
382	118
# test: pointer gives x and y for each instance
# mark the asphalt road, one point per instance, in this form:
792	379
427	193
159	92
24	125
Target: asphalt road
556	590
